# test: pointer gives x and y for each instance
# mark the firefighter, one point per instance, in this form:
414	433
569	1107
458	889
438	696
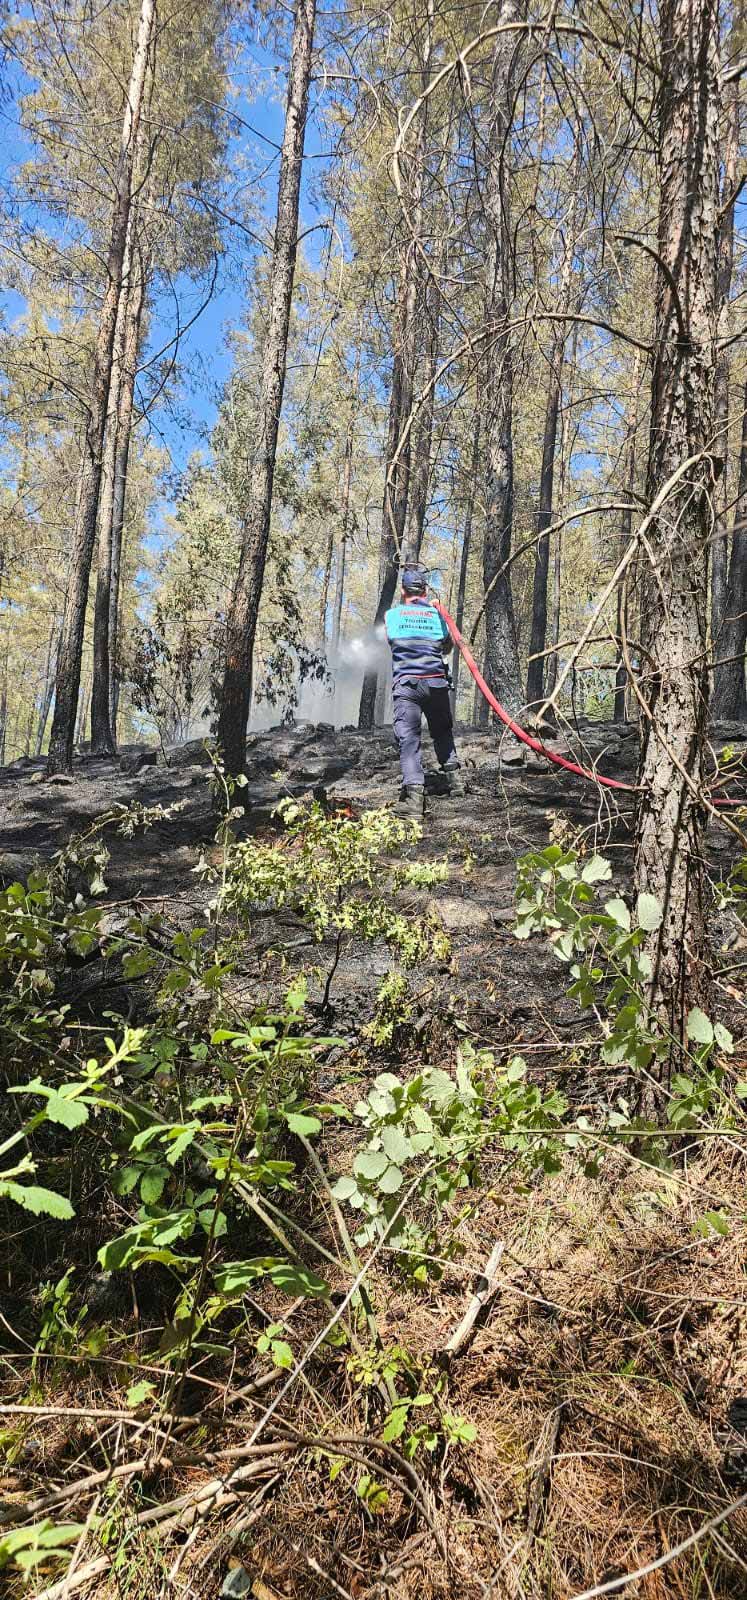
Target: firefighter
419	641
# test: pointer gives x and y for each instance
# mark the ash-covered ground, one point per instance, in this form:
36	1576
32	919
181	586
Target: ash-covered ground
502	989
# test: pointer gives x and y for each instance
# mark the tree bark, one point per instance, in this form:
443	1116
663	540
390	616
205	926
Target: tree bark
626	530
326	579
399	445
496	386
730	697
125	413
420	481
70	649
347	474
564	474
48	689
102	738
4	695
719	553
464	558
241	622
674	678
83	705
538	638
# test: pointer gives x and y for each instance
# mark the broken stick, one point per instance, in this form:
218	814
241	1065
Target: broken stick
485	1293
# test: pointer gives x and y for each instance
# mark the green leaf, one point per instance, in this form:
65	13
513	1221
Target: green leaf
648	913
124	1181
699	1027
596	871
516	1070
391	1180
395	1424
396	1144
235	1277
42	1202
344	1188
300	1122
138	1392
45	1541
69	1113
295	1279
458	1428
618	911
281	1352
712	1221
181	1143
370	1164
152	1184
373	1494
724	1039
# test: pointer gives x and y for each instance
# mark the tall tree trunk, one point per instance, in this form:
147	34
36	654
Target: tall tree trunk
420	481
469	512
496	388
102	738
135	309
730	699
48	689
326	580
241	622
4	693
626	530
399	444
564	475
538	638
347	474
719	553
83	705
674	678
70	649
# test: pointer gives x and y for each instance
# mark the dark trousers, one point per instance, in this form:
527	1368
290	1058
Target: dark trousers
415	698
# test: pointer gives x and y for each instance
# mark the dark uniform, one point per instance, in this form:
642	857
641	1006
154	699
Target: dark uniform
418	637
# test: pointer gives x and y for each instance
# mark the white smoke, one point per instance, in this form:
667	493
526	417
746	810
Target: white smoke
337	701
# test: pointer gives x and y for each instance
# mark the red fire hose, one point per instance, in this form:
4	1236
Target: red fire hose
521	733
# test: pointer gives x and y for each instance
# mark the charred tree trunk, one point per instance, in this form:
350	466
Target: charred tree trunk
464	558
70	649
496	388
121	464
626	529
730	699
399	433
241	622
102	738
674	622
112	503
719	552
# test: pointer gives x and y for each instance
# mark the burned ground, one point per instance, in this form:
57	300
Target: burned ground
604	1384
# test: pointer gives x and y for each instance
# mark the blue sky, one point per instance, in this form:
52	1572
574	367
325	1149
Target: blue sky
184	419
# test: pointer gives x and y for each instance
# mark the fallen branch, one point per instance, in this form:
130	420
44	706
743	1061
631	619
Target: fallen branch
485	1293
539	1482
182	1522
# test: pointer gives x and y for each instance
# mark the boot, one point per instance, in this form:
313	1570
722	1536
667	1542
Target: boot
454	783
411	802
